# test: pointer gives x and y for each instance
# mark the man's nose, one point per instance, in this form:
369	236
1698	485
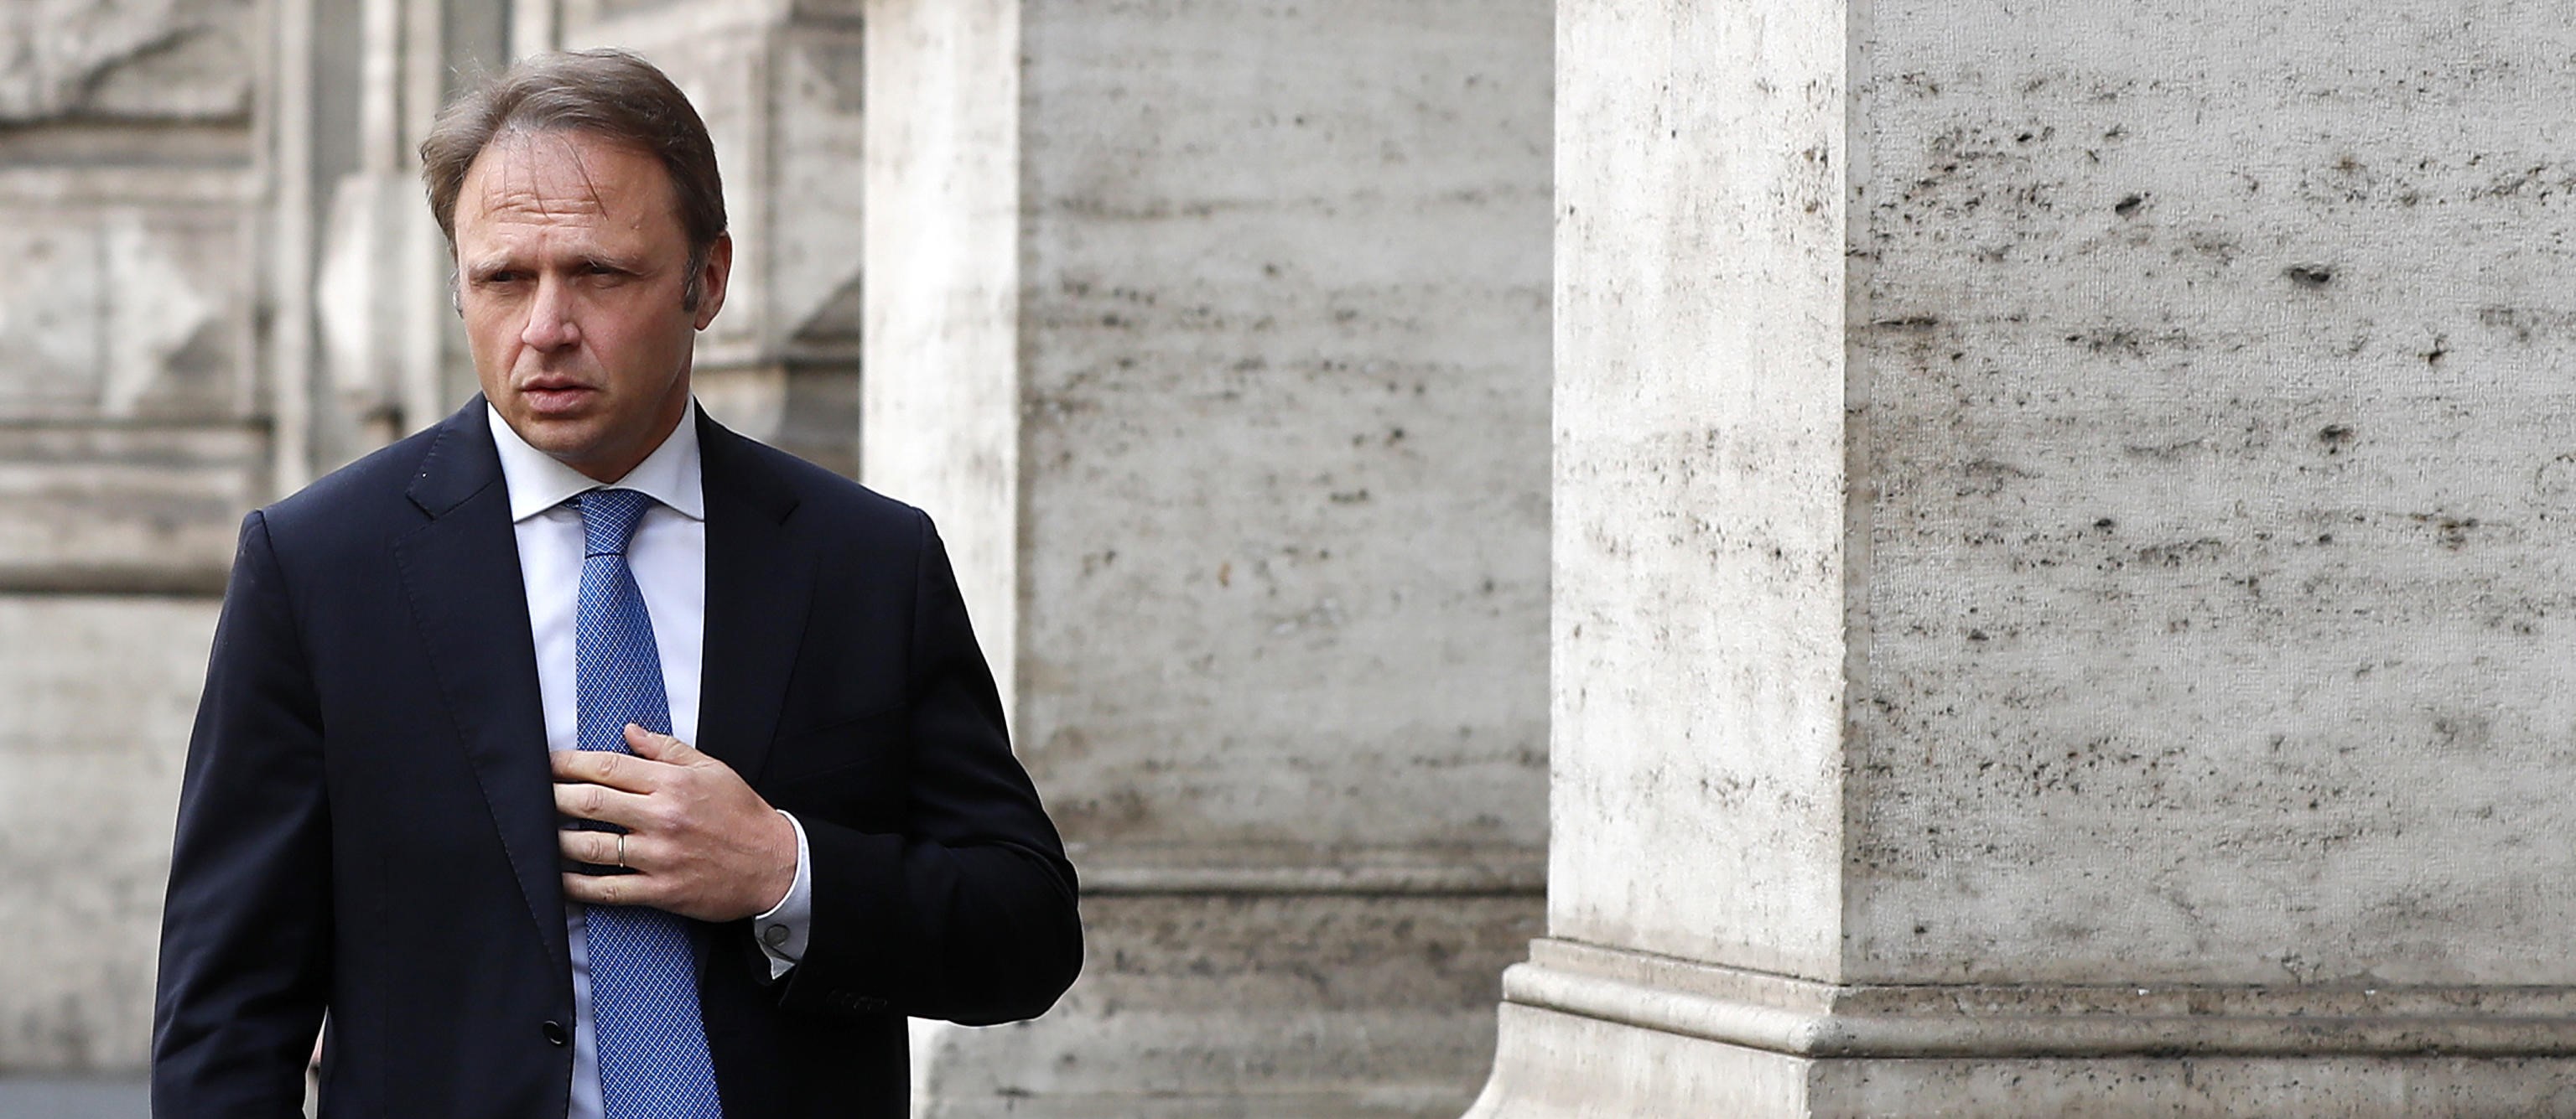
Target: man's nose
551	324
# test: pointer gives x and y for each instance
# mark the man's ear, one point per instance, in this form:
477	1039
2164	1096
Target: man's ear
711	279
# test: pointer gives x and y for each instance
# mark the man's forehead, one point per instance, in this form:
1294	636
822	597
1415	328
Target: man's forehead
562	172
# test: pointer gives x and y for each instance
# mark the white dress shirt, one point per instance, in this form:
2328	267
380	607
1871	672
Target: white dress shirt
668	556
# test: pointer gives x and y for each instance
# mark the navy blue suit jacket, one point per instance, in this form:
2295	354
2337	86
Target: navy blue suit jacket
367	824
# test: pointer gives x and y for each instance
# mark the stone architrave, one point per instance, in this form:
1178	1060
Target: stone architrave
2061	564
1214	334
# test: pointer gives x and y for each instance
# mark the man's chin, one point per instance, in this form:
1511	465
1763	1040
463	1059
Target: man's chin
566	438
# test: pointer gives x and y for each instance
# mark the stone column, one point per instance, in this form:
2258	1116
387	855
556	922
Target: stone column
370	347
1214	334
2060	564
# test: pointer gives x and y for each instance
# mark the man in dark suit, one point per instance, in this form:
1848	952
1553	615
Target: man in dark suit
748	684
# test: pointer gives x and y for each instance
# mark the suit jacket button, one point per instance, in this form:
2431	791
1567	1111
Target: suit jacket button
556	1034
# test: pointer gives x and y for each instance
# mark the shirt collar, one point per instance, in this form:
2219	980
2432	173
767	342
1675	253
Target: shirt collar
537	482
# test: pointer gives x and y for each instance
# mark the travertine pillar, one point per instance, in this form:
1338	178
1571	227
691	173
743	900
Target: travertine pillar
1215	335
2061	580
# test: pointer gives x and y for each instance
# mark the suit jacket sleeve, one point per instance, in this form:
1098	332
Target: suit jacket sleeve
969	913
245	935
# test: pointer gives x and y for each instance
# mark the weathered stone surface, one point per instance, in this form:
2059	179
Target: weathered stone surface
1282	376
2213	477
2007	1022
1551	1065
1700	572
2055	566
1368	1006
182	60
129	448
818	89
2365	1088
1283	419
100	692
1560	1065
940	405
123	312
808	409
1214	333
126	341
366	287
136	508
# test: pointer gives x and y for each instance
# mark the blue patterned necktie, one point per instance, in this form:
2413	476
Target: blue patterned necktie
653	1060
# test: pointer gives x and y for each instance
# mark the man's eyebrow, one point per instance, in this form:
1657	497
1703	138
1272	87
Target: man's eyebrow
491	264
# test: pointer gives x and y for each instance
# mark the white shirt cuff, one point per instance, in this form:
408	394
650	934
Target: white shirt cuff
782	931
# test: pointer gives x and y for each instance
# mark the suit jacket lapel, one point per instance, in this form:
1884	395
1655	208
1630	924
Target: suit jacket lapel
758	584
461	574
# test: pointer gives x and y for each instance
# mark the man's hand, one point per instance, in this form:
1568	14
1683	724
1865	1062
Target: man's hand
701	843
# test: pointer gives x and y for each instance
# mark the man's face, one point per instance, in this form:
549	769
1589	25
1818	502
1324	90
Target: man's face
571	272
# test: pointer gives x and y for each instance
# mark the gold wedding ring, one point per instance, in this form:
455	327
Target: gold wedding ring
621	851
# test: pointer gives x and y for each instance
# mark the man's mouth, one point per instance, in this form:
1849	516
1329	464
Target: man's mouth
552	396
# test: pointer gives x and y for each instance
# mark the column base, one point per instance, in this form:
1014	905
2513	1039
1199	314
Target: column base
1592	1031
1216	1004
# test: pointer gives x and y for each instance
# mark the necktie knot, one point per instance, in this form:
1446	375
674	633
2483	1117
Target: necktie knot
608	519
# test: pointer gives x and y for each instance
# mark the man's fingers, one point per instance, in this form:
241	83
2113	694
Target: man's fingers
640	772
599	848
658	747
586	801
611	889
705	845
606	767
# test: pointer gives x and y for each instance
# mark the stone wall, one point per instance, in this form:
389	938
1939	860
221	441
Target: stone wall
2215	495
127	180
130	445
102	690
